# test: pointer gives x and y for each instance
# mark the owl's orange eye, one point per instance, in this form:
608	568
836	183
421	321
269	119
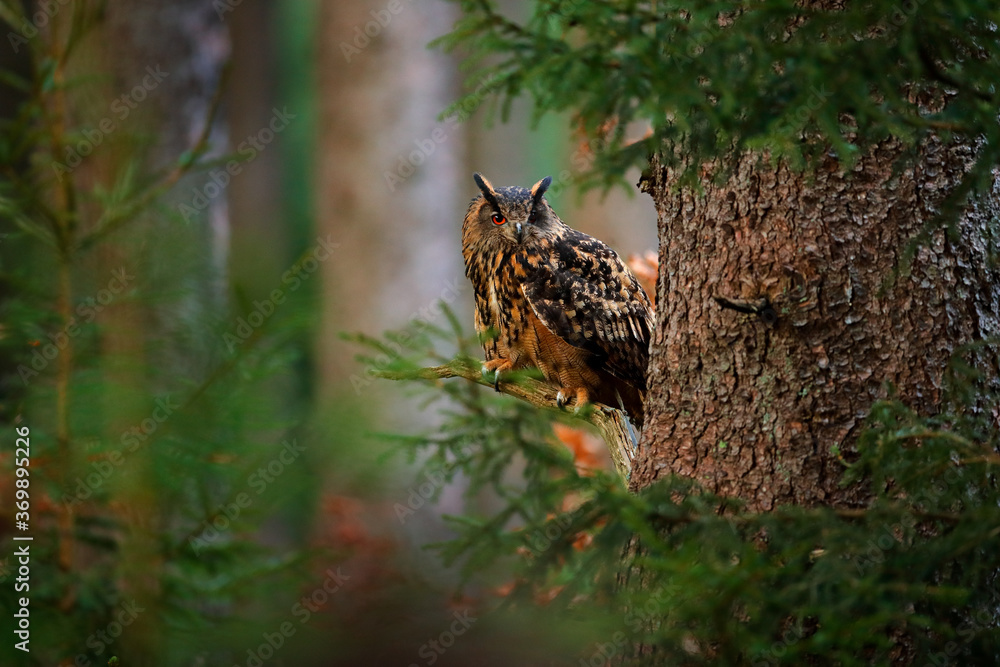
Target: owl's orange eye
498	219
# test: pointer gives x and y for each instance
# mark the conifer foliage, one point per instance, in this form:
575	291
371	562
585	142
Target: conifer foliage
913	576
681	576
154	446
795	79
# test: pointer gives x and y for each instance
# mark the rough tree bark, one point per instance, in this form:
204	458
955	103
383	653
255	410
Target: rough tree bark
763	407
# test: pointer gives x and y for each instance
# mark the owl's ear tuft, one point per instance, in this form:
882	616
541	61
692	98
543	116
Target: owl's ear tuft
487	189
539	188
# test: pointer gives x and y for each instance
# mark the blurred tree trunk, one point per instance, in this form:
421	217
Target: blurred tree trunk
763	406
390	178
151	71
17	61
259	245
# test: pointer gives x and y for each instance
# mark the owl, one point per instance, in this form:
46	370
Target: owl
555	299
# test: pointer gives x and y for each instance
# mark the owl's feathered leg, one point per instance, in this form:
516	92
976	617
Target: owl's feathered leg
580	393
494	368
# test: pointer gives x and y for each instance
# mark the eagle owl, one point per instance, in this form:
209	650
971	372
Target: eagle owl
557	299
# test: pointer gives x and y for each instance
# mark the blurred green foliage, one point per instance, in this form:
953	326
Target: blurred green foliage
156	435
694	576
712	79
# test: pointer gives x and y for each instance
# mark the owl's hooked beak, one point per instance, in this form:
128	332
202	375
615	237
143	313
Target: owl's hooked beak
518	231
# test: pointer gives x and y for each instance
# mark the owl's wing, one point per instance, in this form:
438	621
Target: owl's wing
584	293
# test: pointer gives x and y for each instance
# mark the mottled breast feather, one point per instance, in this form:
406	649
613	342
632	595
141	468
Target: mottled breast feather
583	292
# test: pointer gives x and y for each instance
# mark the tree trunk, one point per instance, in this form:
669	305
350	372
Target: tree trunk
763	406
153	70
388	178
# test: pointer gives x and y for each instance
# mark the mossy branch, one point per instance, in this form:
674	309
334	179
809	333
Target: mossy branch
610	423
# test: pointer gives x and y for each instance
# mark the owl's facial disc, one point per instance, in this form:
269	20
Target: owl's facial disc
514	231
512	214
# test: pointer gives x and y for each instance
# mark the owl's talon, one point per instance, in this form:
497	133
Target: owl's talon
493	369
561	399
491	376
566	394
